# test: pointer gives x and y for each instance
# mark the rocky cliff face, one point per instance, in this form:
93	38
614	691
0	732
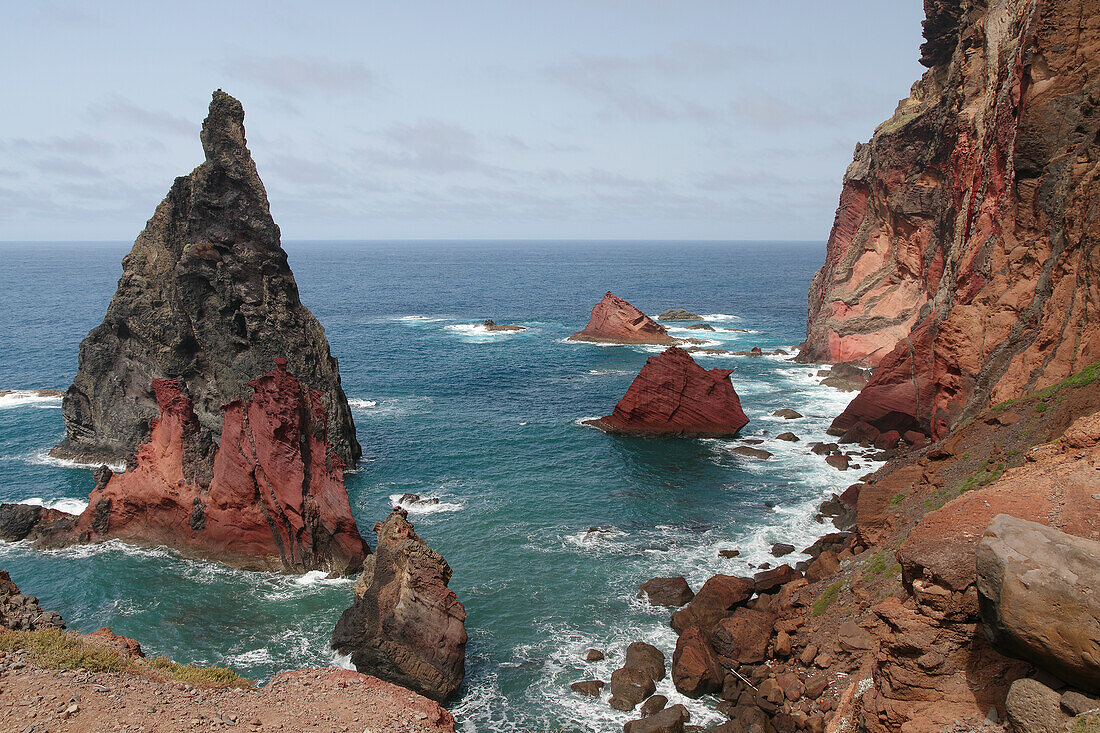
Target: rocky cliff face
674	396
405	626
615	321
964	258
206	298
276	498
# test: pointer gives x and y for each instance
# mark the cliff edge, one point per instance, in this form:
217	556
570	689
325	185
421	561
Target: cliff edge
963	262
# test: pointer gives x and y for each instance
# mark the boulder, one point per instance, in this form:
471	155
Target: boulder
671	592
779	549
405	626
490	325
743	638
789	437
593	655
749	452
1037	595
718	596
695	668
1033	707
787	414
615	321
206	299
655	704
768	580
669	720
590	688
630	686
838	461
22	613
647	658
673	396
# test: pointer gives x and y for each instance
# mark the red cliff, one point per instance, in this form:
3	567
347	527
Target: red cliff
615	321
276	499
963	260
674	396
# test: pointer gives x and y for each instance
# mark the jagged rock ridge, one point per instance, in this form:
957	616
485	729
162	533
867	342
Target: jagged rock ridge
964	260
206	297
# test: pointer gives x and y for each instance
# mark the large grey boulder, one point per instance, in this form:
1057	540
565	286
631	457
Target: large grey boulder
1039	594
1033	707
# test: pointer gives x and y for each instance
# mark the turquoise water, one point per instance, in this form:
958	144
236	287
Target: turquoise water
488	423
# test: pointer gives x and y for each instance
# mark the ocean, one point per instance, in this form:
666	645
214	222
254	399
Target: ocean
549	525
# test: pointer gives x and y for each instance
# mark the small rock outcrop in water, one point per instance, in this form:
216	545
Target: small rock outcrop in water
206	297
675	397
405	626
962	261
679	314
615	321
1037	594
491	325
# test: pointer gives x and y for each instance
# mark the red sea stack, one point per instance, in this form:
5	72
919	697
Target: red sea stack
614	321
276	499
675	397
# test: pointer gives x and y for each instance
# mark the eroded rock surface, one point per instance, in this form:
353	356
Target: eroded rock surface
675	397
963	259
207	298
405	626
615	321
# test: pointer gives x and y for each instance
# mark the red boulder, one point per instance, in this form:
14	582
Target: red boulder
615	321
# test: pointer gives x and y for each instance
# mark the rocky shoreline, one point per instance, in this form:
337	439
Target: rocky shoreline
902	619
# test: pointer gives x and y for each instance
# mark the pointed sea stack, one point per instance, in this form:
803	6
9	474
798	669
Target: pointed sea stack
207	298
614	321
675	397
405	625
963	262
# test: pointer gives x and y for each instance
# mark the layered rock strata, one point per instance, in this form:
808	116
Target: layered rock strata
615	321
963	262
275	499
207	298
405	625
675	397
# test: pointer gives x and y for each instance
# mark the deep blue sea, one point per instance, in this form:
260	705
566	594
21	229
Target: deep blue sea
488	423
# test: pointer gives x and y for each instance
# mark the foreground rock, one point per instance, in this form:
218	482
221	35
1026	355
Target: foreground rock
675	397
1037	594
20	612
405	626
672	592
925	275
206	298
275	499
615	321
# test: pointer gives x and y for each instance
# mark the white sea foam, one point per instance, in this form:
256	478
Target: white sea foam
255	656
583	421
424	507
342	661
44	458
317	578
360	404
72	506
477	333
720	317
420	319
29	398
609	372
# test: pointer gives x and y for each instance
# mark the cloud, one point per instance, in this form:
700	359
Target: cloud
115	109
298	76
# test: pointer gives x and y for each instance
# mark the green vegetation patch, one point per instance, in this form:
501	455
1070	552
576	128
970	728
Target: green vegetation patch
897	498
827	598
1085	377
1087	723
59	649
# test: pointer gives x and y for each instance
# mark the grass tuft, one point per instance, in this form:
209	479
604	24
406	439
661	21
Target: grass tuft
827	598
59	649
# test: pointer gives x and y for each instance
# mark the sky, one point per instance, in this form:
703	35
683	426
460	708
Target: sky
602	119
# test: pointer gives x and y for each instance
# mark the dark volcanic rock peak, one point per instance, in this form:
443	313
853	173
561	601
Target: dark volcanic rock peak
206	297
